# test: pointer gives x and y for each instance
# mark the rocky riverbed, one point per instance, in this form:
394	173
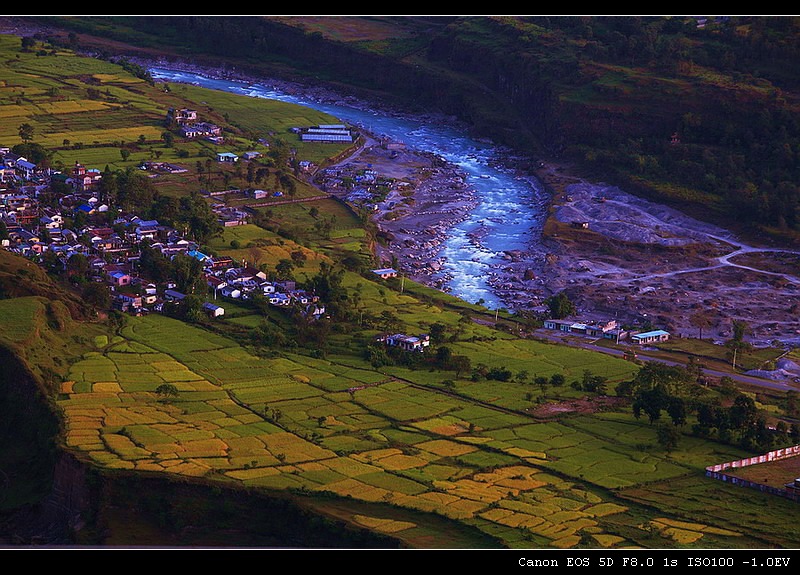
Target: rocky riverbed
622	256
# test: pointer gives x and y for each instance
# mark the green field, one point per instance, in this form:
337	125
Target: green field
87	110
290	423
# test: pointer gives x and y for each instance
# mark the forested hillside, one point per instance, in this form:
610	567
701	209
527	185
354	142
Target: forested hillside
700	113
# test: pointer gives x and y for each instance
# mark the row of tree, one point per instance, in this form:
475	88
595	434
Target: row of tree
659	390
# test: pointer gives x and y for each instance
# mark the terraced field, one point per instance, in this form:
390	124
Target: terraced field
319	426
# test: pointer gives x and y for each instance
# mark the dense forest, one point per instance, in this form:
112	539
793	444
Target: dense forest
700	113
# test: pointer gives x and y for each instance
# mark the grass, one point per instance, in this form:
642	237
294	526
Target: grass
717	356
410	446
86	110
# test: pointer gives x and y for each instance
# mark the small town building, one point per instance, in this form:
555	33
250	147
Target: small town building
280	299
227	157
213	310
385	273
172	295
231	292
119	278
327	133
407	342
655	336
558	324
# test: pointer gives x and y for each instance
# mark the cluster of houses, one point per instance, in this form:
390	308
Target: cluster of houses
607	330
191	127
225	280
15	167
112	248
405	342
228	280
358	185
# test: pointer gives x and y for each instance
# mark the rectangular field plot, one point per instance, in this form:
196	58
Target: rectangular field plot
345	444
276	389
446	448
393	483
293	448
405	403
612	469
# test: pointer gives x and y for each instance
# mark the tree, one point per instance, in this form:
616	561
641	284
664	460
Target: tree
740	329
737	344
97	294
499	374
443	356
26	132
167	392
560	306
794	432
743	412
134	190
676	408
33	152
668	436
299	257
701	320
190	308
125	154
188	274
657	387
284	269
460	364
77	265
195	213
437	332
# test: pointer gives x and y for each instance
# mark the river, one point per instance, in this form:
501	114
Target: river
510	210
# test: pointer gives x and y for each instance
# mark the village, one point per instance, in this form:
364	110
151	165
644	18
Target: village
83	223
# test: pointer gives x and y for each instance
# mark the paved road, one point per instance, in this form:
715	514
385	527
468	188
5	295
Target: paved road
746	379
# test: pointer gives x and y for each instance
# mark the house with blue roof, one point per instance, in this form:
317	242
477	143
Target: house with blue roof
227	157
646	337
198	255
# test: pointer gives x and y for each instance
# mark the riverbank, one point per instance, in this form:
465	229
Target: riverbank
429	197
615	255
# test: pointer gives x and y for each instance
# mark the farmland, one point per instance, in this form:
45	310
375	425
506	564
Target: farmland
89	111
295	423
